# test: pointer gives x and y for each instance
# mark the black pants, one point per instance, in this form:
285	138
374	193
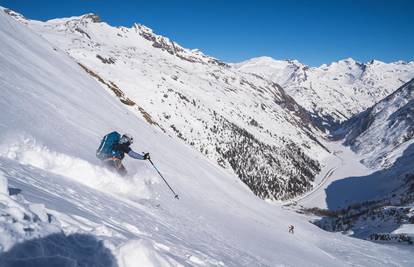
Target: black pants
116	164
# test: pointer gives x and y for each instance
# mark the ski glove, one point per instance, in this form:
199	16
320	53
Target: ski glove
147	156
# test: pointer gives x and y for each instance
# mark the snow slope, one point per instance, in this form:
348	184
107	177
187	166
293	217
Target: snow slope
52	116
381	140
377	157
369	189
334	92
382	136
246	124
384	131
344	164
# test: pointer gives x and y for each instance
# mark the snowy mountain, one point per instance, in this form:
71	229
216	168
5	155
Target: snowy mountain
374	201
59	207
384	131
243	122
334	92
382	136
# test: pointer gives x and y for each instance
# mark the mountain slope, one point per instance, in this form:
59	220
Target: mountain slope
334	92
52	116
244	123
374	201
383	137
384	131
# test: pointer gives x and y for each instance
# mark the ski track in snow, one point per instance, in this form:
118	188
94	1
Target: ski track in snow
344	163
325	179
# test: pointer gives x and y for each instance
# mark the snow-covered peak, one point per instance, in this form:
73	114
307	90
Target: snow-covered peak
265	61
92	17
279	71
347	66
142	28
333	92
91	26
346	61
379	62
89	17
383	128
17	16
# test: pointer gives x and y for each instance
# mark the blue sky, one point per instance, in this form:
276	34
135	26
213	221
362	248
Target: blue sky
314	32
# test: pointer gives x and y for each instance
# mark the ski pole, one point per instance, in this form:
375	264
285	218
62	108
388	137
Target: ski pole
175	195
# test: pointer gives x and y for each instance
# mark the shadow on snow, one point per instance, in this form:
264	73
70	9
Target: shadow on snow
351	190
61	250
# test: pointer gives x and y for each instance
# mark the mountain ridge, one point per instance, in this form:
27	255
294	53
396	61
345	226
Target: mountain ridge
333	92
245	123
270	60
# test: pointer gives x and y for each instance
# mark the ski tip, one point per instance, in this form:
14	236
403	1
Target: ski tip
176	196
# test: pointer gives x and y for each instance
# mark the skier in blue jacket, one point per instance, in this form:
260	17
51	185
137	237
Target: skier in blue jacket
118	153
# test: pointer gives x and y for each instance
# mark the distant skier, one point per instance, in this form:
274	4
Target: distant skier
113	148
291	229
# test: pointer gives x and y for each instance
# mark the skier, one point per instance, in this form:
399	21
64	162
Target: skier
113	149
291	229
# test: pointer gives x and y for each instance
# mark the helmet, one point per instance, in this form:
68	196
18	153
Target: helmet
126	138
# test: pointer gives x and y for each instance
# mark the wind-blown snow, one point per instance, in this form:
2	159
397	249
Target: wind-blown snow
96	176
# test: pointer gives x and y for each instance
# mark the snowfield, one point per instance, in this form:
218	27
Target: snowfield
60	207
